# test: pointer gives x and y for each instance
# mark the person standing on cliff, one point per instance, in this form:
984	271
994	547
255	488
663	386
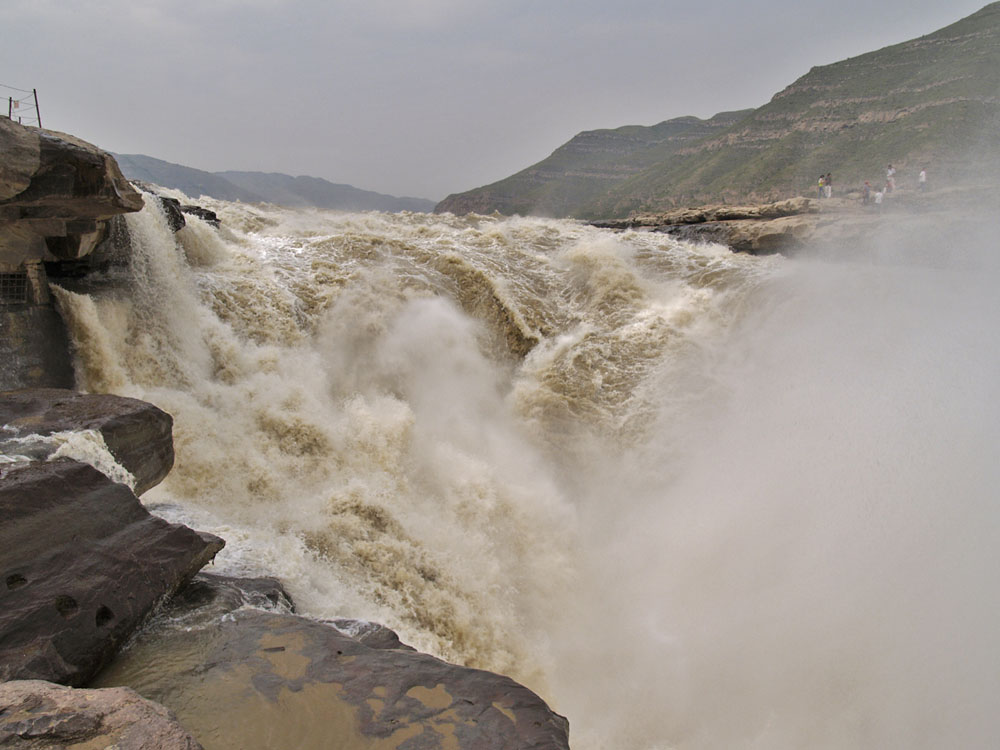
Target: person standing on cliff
828	185
890	178
822	182
922	180
866	193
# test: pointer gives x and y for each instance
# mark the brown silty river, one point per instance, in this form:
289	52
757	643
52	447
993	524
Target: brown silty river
695	499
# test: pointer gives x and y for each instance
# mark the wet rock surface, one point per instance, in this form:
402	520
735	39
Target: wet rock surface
257	679
757	237
209	597
82	565
138	434
36	715
174	211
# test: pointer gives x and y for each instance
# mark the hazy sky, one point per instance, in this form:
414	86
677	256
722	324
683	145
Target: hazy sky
415	97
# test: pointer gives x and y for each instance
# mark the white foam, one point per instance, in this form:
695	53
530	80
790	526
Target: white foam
85	446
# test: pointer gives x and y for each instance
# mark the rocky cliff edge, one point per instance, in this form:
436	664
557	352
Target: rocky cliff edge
56	194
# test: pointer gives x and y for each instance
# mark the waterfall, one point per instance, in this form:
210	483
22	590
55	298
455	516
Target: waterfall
695	499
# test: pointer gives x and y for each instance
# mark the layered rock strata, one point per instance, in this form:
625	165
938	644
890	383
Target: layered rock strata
56	192
57	197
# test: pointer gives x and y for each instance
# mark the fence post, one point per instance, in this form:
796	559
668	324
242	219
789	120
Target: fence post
37	113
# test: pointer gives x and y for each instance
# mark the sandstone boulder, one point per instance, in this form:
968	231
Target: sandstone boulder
56	192
138	434
82	565
36	715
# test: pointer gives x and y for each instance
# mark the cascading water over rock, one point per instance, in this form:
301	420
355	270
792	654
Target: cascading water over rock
696	499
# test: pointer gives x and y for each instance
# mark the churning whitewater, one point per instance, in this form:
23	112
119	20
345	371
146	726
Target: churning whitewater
695	499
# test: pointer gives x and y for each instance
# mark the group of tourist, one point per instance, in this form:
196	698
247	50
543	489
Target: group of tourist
868	195
826	185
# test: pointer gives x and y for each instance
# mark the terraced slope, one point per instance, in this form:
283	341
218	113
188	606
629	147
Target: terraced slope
584	169
931	102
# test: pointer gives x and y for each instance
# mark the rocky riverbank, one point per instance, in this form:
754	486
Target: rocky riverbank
835	225
759	229
86	569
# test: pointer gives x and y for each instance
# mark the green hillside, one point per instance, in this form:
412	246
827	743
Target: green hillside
931	102
585	168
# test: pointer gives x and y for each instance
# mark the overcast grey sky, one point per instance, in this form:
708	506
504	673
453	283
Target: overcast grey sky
415	97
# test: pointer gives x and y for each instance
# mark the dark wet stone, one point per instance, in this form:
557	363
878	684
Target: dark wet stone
84	564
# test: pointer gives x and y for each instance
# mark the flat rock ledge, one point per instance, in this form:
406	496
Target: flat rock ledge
258	680
36	715
842	226
759	230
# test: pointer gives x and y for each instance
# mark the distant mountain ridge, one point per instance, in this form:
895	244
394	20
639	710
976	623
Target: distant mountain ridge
263	187
584	169
931	102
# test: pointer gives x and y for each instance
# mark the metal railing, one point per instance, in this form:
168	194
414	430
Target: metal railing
23	106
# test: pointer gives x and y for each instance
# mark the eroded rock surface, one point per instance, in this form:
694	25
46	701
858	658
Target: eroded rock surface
82	565
56	192
256	680
36	715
